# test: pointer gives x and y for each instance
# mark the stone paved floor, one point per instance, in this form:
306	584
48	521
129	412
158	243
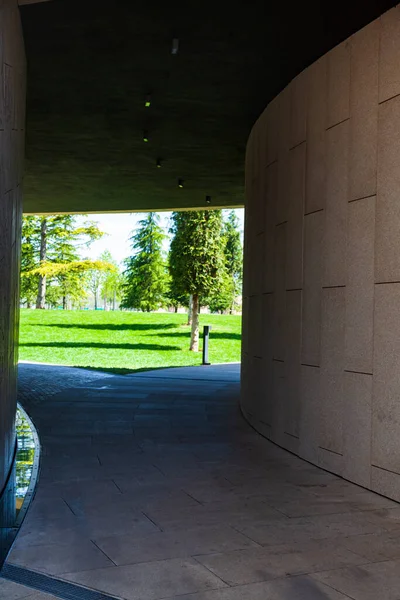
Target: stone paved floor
153	486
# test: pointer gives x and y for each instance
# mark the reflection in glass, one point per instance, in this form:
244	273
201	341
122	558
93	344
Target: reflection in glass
25	457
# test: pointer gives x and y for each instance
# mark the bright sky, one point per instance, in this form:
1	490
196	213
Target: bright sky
118	228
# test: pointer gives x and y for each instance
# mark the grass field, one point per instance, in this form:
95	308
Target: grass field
122	341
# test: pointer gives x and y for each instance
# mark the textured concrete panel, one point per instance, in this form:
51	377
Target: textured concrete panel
292	362
386	406
256	256
331	461
360	286
267	321
309	419
364	111
385	483
271	177
272	131
316	126
255	326
271	199
332	359
294	238
311	315
278	407
245	324
389	73
285	120
279	292
357	402
338	84
298	109
336	205
387	256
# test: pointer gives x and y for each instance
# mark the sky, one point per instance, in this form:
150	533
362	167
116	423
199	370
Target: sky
118	228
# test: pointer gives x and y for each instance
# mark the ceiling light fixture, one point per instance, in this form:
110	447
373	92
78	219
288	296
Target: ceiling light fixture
208	199
180	183
145	136
148	101
158	163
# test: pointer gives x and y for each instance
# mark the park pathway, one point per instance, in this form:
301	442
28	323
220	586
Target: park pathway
153	486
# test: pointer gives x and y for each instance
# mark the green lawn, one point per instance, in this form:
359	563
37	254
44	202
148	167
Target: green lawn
122	341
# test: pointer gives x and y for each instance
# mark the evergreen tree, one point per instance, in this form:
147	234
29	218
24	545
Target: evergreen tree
196	258
146	274
223	297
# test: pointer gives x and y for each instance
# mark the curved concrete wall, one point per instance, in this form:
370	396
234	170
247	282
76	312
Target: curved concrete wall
12	135
321	336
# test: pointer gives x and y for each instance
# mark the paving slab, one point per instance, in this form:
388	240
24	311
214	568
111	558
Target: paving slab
153	486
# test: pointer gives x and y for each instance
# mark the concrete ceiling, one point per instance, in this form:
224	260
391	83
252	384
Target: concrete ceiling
92	63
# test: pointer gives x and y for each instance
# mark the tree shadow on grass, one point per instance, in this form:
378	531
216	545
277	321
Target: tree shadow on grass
110	326
122	370
155	347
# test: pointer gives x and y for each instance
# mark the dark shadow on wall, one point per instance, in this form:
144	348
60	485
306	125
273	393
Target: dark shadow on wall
156	347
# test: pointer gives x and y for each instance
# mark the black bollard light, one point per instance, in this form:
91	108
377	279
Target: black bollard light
206	338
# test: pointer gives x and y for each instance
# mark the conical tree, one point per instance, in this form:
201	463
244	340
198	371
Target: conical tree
146	274
224	297
196	258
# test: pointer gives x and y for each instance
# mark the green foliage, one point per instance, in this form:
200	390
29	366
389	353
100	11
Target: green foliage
196	259
146	277
56	257
29	256
112	281
233	250
223	297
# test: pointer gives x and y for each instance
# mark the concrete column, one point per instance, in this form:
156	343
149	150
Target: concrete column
12	136
321	357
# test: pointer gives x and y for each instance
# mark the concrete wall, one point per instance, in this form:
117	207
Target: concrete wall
321	351
12	118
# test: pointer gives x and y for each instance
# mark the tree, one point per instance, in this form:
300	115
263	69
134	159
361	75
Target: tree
233	255
196	258
94	282
146	274
52	254
111	283
29	249
222	298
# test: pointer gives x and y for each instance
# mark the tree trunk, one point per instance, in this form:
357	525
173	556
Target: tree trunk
41	297
28	304
175	309
114	300
190	310
95	300
194	340
64	302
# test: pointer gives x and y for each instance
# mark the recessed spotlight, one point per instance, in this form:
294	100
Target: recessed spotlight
148	101
180	183
158	163
208	199
175	46
145	136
